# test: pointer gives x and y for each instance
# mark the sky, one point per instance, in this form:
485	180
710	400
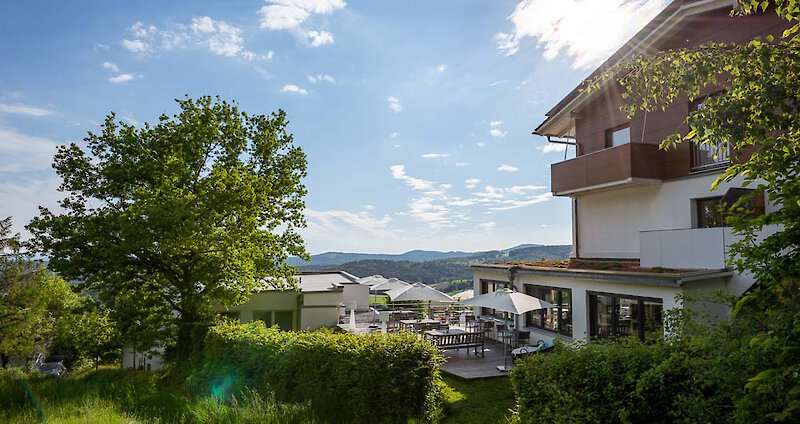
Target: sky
416	116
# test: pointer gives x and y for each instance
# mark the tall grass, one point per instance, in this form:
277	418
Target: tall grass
127	396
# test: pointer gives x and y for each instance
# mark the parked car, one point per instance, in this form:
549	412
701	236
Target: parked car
55	369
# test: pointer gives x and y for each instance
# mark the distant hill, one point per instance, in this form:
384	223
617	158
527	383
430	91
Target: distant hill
444	270
338	258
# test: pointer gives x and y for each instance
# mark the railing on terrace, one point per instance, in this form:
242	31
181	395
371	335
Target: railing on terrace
705	156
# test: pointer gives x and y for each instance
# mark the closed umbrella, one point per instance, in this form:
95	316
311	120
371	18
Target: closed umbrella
510	301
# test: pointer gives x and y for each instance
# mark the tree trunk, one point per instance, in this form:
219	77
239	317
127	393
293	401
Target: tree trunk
190	334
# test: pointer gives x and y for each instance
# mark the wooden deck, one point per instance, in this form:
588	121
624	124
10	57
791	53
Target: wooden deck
468	366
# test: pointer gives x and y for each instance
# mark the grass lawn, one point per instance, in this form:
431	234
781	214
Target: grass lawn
378	299
484	401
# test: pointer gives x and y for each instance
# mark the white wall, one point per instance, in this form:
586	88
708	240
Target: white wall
320	309
151	360
609	222
579	287
356	292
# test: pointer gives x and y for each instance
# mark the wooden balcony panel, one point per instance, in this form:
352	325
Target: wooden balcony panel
618	164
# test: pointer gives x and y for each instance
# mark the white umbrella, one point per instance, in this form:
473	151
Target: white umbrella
419	291
507	300
389	285
464	295
372	280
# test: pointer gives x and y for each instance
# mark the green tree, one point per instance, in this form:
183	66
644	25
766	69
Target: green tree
31	300
756	114
201	206
86	332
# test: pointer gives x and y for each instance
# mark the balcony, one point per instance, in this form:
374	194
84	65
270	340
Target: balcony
628	164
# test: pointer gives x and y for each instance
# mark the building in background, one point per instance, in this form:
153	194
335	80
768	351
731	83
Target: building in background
646	225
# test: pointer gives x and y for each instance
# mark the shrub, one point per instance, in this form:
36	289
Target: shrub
346	377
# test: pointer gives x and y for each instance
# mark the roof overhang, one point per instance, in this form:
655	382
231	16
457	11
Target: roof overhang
662	279
560	121
632	181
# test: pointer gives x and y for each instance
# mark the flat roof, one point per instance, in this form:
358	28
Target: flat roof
322	281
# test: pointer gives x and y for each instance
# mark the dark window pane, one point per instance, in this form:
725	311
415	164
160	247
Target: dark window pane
627	317
709	213
265	316
653	320
284	320
602	317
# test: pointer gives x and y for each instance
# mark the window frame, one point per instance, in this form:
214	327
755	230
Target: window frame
641	316
725	161
609	134
271	313
484	290
556	311
697	204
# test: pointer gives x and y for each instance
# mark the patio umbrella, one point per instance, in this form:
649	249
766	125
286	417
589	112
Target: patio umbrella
510	301
419	292
389	285
372	280
464	295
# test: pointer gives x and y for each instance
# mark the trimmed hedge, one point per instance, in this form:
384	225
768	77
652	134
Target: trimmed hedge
346	377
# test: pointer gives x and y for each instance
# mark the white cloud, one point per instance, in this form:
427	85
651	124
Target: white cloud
586	31
434	155
393	134
293	89
472	182
121	78
394	104
338	223
497	133
135	46
441	68
21	200
270	54
514	204
507	168
495	124
321	77
319	38
26	110
481	144
221	38
110	66
399	173
369	207
488	225
24	153
551	148
462	164
140	30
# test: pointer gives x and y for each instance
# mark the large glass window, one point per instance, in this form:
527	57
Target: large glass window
618	136
490	286
709	212
705	156
625	316
558	319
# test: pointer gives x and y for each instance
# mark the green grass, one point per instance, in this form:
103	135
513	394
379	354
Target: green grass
126	396
484	401
378	299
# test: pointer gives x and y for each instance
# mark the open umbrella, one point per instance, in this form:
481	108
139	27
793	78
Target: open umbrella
419	292
510	301
464	295
388	285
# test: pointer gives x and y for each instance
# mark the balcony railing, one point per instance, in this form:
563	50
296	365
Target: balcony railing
705	156
617	165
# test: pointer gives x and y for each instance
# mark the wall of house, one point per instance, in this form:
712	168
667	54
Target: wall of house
356	292
320	309
604	111
580	297
268	301
610	222
151	360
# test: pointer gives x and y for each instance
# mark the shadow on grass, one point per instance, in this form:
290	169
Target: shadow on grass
134	393
480	401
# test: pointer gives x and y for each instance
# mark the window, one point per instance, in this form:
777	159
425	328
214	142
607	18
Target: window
709	212
558	319
625	316
283	319
490	286
618	136
230	315
705	156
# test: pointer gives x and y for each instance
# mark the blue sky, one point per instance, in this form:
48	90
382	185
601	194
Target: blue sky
416	115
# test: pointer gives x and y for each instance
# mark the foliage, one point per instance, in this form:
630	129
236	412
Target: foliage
127	396
195	210
757	113
346	377
86	333
31	300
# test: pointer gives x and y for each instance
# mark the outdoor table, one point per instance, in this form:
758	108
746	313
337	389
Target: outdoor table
436	333
414	323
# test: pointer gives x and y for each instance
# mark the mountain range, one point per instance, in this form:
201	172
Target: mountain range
338	258
450	271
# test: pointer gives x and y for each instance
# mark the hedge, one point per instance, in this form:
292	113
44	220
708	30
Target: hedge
346	377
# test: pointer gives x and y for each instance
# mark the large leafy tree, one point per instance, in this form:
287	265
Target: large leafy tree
757	113
196	209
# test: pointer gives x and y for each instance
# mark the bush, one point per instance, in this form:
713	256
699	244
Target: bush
346	377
